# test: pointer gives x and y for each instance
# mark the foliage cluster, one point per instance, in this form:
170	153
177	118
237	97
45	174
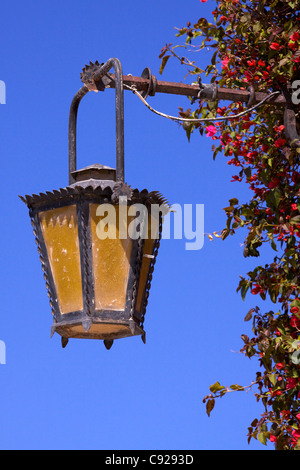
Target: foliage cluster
257	43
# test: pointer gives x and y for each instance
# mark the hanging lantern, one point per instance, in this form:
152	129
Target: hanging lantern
98	240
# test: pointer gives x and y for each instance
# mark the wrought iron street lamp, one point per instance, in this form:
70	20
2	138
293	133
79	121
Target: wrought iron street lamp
98	285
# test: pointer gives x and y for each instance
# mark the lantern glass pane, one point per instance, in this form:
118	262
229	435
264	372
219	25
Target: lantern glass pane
111	257
60	232
147	259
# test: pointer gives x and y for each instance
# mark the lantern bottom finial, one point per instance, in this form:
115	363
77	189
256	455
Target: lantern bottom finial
108	343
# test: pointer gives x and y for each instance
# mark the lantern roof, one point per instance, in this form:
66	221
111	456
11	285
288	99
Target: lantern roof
96	172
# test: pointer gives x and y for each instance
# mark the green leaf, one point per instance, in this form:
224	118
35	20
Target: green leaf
283	61
163	63
295	303
295	220
216	387
273	198
262	438
244	290
234	201
273	379
237	388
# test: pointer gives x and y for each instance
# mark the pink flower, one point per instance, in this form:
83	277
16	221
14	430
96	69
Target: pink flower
225	62
295	208
296	436
210	131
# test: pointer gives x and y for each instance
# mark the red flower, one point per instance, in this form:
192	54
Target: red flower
291	383
292	45
280	142
295	36
273	438
261	63
295	321
275	46
294	207
222	18
257	289
279	365
273	183
236	178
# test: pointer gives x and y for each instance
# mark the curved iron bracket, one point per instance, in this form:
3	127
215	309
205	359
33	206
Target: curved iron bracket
98	73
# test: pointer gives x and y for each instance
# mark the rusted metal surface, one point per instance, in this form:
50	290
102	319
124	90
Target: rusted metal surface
97	77
174	88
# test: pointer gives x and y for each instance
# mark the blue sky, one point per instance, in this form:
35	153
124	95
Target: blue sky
134	396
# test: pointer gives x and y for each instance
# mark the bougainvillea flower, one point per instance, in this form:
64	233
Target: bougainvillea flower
273	183
295	321
275	46
280	142
291	383
225	62
295	36
210	131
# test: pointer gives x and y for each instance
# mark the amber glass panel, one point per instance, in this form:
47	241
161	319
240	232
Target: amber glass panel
60	231
147	258
111	262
